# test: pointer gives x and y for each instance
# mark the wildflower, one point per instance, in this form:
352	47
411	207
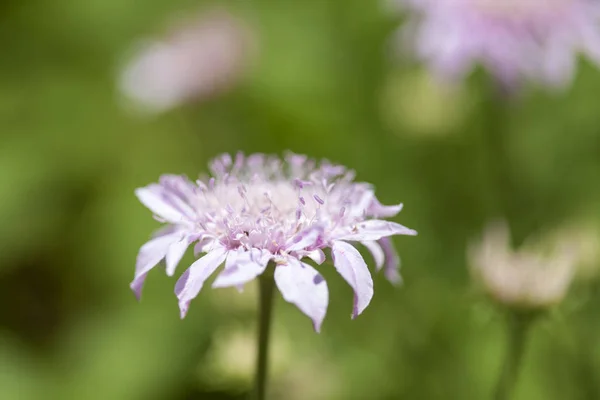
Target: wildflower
513	39
524	279
201	57
257	211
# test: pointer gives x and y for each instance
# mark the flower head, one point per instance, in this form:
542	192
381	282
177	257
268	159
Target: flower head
513	39
525	279
200	57
257	211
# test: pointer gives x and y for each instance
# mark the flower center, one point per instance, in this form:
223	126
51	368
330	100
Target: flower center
264	214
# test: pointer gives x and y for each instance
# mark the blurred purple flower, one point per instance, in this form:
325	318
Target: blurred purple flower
260	209
514	39
200	57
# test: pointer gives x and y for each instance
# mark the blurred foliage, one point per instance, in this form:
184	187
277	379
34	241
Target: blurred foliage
325	85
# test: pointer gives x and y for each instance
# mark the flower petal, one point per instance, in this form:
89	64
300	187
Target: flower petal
559	64
303	286
375	229
376	251
316	255
175	254
191	282
242	267
152	197
350	264
590	37
205	244
149	255
392	261
305	239
166	230
358	208
378	210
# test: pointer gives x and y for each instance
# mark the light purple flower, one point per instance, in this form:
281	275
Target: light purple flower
258	210
514	39
200	57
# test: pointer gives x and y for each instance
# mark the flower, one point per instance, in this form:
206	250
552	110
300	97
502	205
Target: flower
201	56
524	279
260	210
513	39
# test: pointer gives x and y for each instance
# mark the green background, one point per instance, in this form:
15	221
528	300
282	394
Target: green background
324	84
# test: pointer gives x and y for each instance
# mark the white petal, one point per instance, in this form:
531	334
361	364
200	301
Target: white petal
150	196
590	37
204	245
242	267
232	257
316	255
375	229
175	253
359	208
558	64
350	264
376	251
164	230
379	210
392	261
303	286
192	280
304	239
149	255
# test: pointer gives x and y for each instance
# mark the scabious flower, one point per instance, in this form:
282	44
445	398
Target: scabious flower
200	57
514	39
257	211
525	279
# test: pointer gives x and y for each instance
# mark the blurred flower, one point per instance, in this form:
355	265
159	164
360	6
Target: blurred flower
513	39
200	57
260	210
526	278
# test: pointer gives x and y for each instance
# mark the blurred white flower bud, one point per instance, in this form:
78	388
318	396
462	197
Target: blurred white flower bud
527	278
198	58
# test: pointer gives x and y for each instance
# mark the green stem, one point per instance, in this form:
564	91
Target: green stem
265	308
518	327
